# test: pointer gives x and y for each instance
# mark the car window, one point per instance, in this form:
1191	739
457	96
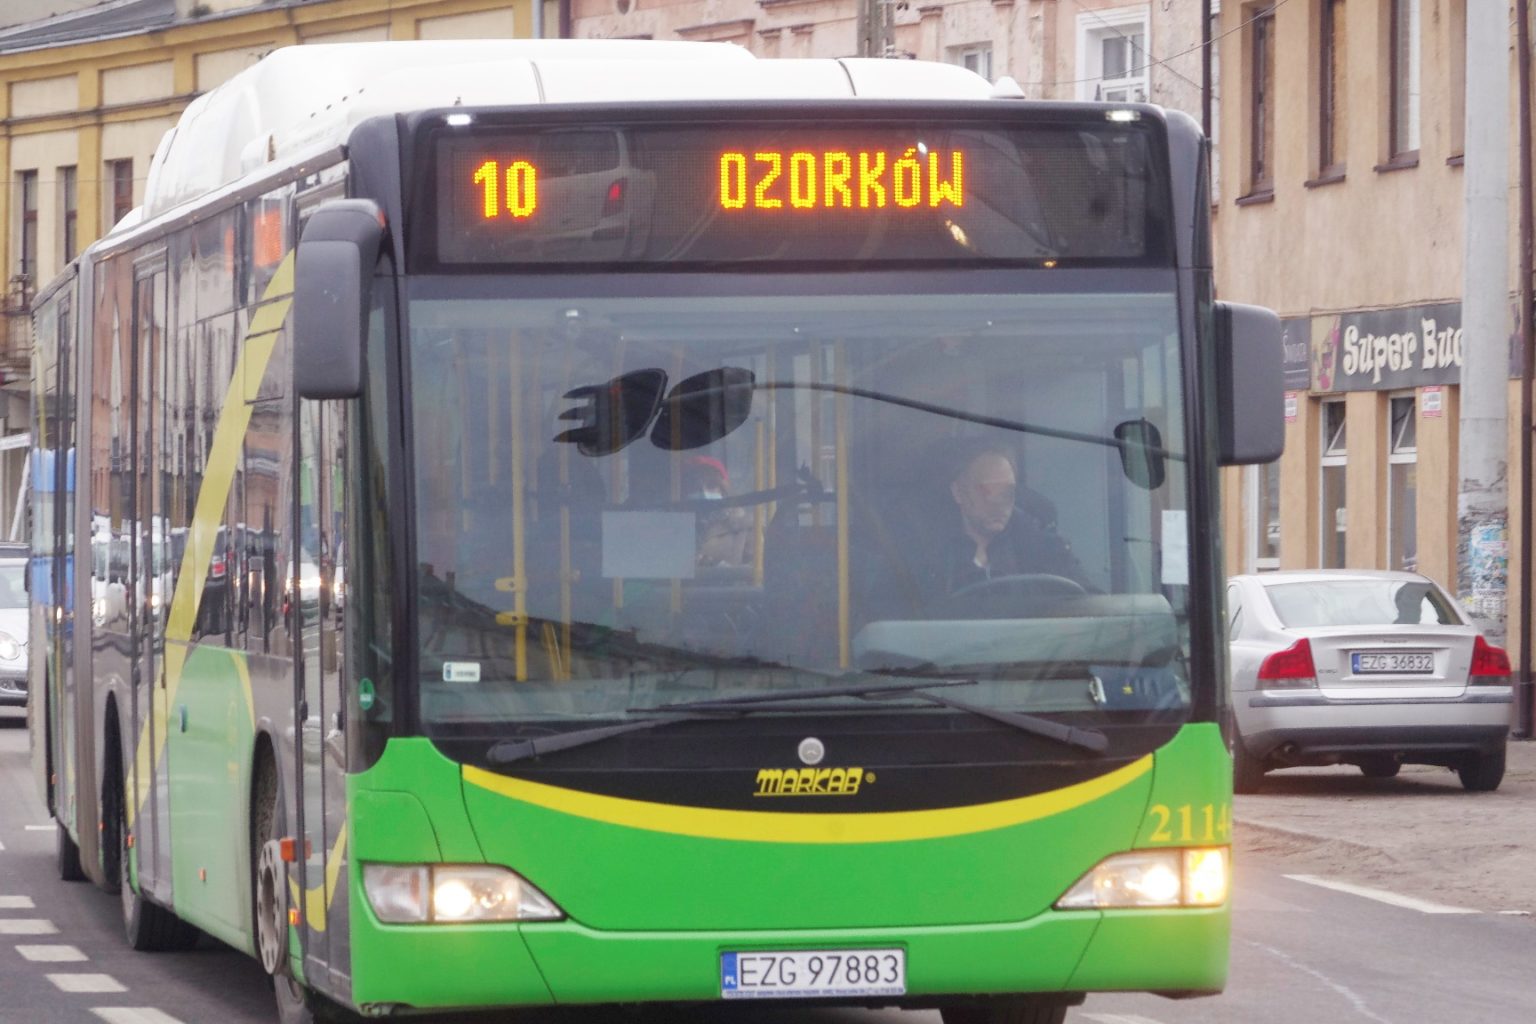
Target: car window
1234	612
1361	603
13	588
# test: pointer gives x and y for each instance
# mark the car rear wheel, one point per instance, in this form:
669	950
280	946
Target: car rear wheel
1384	767
1247	770
1482	772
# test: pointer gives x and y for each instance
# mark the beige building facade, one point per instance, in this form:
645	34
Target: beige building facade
1342	192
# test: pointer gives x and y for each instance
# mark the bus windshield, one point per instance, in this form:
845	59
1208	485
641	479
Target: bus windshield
629	501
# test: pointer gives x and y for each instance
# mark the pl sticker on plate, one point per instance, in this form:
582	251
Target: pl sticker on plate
461	671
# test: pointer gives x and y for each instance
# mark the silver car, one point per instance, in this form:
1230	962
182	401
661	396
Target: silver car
13	628
1368	668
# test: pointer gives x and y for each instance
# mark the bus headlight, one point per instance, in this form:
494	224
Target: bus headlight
10	650
453	894
1196	877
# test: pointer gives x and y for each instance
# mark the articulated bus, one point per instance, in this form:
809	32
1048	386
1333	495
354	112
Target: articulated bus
597	522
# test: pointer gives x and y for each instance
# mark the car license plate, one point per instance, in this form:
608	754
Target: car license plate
806	974
1399	662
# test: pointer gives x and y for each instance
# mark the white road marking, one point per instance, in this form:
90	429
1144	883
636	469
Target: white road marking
1117	1018
16	903
1348	993
26	926
40	828
86	983
51	954
2	847
133	1015
1383	896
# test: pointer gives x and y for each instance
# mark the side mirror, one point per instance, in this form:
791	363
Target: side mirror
333	272
610	416
704	408
1141	453
1250	394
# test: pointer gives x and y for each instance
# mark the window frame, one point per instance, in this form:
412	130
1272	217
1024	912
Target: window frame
120	178
1261	112
1399	151
26	238
1093	29
1399	454
69	211
1331	114
1332	456
981	51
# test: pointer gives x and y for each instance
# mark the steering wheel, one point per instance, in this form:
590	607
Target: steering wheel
1027	592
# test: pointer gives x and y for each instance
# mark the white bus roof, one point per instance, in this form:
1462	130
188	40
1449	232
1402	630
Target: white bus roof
303	100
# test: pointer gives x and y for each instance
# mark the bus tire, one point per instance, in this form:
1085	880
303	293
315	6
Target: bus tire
1009	1011
296	1004
1482	772
1247	770
66	854
148	927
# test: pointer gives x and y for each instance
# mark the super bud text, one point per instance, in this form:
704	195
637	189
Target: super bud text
837	179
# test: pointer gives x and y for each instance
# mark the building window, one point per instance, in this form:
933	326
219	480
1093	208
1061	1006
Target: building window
1332	531
1112	55
120	173
1402	485
1264	517
1261	101
1404	78
1457	20
70	216
1215	101
977	58
1332	61
27	265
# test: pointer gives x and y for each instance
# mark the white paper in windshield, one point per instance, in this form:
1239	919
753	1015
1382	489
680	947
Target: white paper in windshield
1175	548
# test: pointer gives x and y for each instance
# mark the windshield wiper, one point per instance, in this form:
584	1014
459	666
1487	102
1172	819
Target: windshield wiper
1085	739
508	751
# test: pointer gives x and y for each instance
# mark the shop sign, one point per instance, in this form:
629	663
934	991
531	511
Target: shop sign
1386	349
1295	336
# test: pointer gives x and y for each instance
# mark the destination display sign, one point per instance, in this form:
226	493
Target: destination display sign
1055	193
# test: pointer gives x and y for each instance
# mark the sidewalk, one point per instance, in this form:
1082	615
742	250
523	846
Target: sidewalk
1419	834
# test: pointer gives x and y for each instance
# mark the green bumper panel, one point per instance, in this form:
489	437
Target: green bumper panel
656	893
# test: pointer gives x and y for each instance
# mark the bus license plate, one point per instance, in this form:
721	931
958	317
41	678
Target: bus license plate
1401	662
807	974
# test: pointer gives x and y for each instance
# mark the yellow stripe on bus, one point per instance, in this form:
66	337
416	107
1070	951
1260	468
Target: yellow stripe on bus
212	499
781	827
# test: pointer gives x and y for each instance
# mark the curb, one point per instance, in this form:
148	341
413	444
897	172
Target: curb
1311	837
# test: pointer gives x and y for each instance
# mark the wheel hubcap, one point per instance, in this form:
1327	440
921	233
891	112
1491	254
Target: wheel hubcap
271	908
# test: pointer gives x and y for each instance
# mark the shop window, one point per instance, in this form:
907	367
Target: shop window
1112	51
1332	528
1263	504
1402	485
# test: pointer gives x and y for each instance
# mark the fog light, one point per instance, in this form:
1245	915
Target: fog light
1153	878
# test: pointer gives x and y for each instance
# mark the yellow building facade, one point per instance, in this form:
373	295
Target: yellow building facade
85	99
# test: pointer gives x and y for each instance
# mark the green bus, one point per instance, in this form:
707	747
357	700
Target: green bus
597	522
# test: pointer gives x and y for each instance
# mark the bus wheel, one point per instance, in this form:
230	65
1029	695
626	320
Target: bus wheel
295	1003
149	927
1007	1011
66	854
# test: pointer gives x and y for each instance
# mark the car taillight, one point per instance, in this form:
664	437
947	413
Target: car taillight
614	202
1488	660
1290	668
217	569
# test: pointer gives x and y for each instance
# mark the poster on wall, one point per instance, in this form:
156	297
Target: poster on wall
1296	366
1387	349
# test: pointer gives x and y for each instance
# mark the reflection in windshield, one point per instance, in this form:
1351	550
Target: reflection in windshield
13	586
629	502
